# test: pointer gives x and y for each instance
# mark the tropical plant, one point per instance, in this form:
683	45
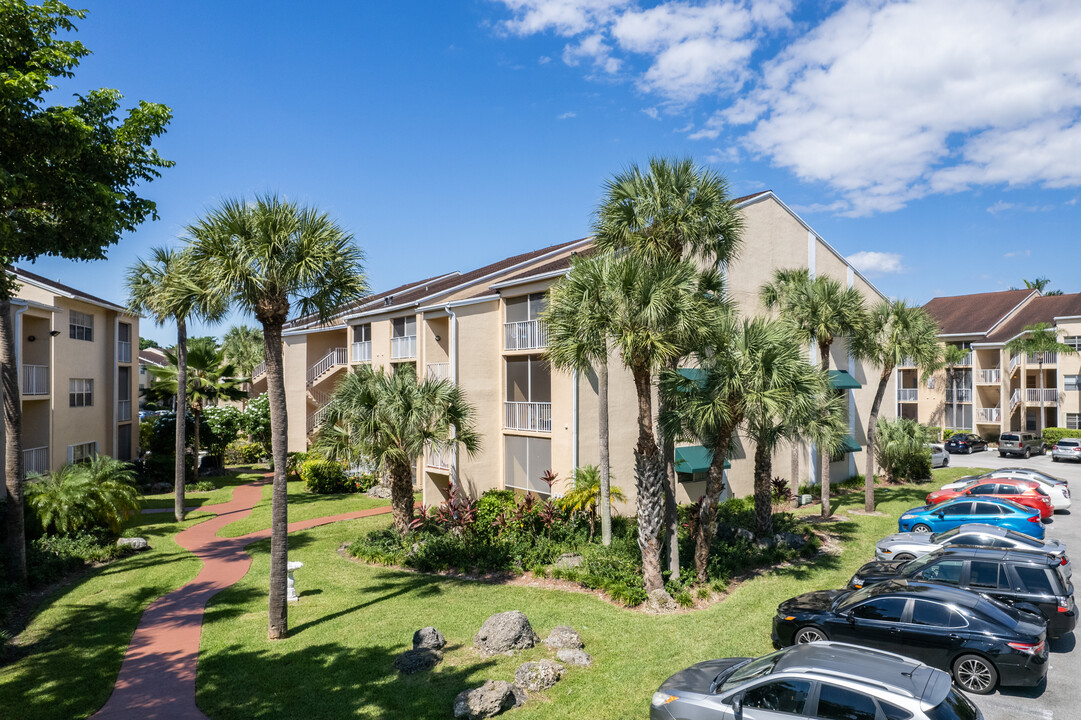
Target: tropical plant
894	331
1040	339
84	496
388	419
266	258
902	449
587	493
243	346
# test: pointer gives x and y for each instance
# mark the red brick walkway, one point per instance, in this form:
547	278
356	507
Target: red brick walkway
157	679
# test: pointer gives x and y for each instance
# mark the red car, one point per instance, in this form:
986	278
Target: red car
1022	492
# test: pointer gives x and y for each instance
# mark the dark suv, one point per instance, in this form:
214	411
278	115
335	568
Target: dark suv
1029	580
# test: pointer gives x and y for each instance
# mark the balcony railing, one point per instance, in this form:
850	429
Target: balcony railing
962	395
123	351
965	360
35	379
316	419
989	377
36	460
989	415
259	370
1047	358
1049	395
123	410
1015	360
908	394
403	348
535	416
439	371
439	456
335	357
525	335
362	351
1015	398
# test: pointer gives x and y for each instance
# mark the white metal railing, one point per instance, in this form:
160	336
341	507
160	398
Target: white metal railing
123	410
36	460
989	377
260	369
336	356
961	395
123	351
536	416
908	394
1015	398
989	415
1046	358
1015	360
403	348
439	456
966	359
35	379
439	371
316	419
1033	395
362	351
525	335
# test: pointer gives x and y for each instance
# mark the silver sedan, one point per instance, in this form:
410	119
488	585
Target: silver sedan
911	545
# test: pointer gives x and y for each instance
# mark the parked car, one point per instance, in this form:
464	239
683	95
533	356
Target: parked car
1066	449
818	680
1026	579
1023	492
939	457
950	514
1020	472
1057	490
1025	444
910	545
965	443
977	639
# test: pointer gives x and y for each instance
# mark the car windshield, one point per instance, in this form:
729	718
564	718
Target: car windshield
955	707
944	536
749	671
851	599
914	566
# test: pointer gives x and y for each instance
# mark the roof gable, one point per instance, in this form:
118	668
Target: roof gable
976	314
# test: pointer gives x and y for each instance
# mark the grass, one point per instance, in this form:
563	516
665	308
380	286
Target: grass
303	505
226	483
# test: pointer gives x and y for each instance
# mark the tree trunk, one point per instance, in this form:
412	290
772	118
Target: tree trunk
13	447
180	468
825	457
763	491
650	481
671	516
605	461
401	498
872	418
279	511
707	511
795	469
196	414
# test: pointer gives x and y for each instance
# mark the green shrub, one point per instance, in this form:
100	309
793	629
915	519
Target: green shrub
52	557
241	452
294	461
901	449
365	481
202	486
99	494
325	477
947	433
1052	435
491	505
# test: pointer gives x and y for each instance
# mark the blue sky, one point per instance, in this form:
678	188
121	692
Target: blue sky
942	142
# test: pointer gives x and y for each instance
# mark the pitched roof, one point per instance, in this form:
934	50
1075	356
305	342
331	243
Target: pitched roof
154	356
974	314
61	289
1040	309
312	320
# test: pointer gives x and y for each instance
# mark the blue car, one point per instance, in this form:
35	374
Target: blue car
948	515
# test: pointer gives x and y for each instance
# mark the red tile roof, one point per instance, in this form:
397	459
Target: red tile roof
974	314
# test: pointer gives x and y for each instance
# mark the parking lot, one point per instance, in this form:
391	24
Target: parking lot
1060	697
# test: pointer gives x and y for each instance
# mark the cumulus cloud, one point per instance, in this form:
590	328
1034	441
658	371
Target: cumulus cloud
567	115
869	262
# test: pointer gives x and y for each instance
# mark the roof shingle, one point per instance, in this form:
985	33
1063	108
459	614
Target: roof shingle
1040	309
974	314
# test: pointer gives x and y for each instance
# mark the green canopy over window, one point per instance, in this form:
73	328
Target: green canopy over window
695	459
696	374
850	445
841	380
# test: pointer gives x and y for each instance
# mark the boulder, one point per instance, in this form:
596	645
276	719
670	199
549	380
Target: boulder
161	487
381	492
417	660
505	631
537	676
568	561
766	542
429	637
570	656
660	600
563	636
743	533
490	699
792	540
133	543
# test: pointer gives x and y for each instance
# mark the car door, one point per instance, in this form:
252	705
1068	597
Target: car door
990	578
952	515
1036	587
986	512
781	699
840	703
944	571
932	632
875	623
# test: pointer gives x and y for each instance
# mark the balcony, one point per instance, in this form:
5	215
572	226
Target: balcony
36	461
989	377
123	351
989	415
259	371
1015	360
1015	399
961	395
326	364
907	362
525	335
1045	358
35	379
1048	396
403	348
908	394
966	360
123	410
362	351
315	420
438	371
533	416
439	456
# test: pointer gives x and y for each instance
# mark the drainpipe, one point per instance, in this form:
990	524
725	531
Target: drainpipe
452	326
116	389
574	422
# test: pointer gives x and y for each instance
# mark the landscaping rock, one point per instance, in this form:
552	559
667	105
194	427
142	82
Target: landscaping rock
490	699
537	676
790	539
766	542
417	660
133	543
743	533
563	636
571	656
660	600
505	631
161	487
568	561
429	637
381	492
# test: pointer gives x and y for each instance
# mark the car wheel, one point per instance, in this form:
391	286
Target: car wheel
1002	454
810	634
904	556
975	674
946	461
1054	459
921	528
968	450
1028	453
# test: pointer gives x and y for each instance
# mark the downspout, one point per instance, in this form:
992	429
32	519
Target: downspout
452	325
116	389
574	423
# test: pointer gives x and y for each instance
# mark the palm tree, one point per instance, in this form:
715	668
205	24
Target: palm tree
82	496
953	356
210	380
243	346
821	310
894	331
167	288
1037	340
578	329
587	492
266	258
389	418
666	213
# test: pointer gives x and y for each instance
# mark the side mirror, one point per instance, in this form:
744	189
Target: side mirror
967	492
737	706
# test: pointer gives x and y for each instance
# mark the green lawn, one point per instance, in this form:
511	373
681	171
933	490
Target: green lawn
224	493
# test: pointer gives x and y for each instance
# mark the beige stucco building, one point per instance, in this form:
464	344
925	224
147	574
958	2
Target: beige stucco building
76	372
480	330
993	389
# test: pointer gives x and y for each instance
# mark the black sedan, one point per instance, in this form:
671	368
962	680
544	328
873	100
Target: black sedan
965	443
980	641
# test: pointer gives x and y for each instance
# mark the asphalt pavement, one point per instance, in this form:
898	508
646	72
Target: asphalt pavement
1059	698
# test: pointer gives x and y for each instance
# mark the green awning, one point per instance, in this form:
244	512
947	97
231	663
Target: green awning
695	459
850	445
841	380
696	374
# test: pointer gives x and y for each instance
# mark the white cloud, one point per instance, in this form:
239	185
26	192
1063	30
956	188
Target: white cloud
567	115
652	113
723	156
1018	253
543	60
1003	206
564	17
870	262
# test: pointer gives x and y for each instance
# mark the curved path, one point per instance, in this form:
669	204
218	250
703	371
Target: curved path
157	678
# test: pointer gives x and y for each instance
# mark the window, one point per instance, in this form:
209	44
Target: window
123	342
925	612
887	609
986	508
404	327
947	572
931	383
80	326
525	308
80	392
82	452
957	508
1073	341
1071	382
1073	421
526	459
835	703
985	489
983	574
123	394
363	333
529	379
123	442
787	696
892	712
1035	580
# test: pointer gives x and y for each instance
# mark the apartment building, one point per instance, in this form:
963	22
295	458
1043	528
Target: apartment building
994	390
76	372
149	360
480	329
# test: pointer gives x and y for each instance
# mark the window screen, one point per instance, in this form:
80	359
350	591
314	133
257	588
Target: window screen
526	459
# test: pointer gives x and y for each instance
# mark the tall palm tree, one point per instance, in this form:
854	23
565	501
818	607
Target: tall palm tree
1036	340
167	288
243	346
389	418
578	328
211	379
894	331
952	357
821	310
670	211
268	257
